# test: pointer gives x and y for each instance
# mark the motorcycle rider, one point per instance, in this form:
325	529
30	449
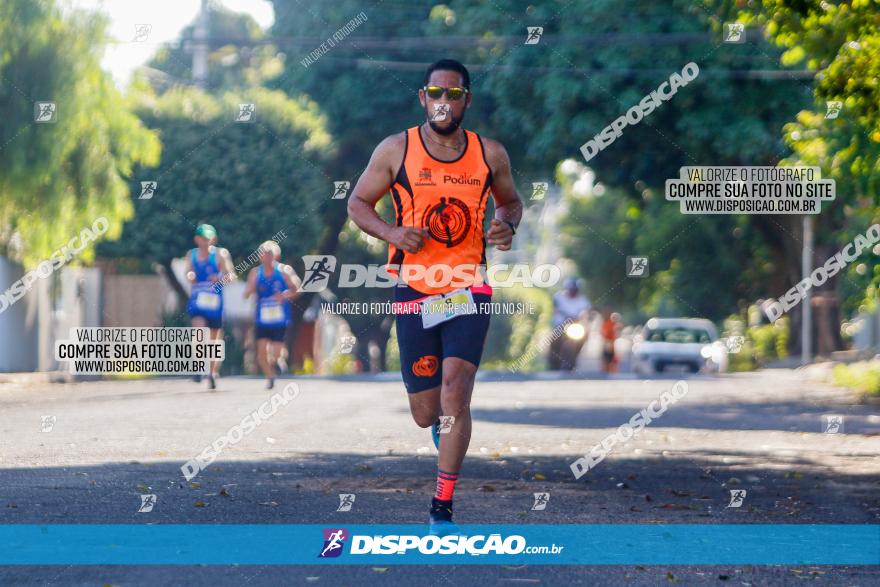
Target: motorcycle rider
569	304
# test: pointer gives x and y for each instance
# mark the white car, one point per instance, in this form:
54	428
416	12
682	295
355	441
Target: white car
689	343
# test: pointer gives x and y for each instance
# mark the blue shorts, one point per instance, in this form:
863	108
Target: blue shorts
273	333
211	321
422	350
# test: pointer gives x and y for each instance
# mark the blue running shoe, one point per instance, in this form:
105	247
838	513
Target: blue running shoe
440	523
435	433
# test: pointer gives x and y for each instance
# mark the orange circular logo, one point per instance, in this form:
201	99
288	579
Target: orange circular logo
426	366
448	222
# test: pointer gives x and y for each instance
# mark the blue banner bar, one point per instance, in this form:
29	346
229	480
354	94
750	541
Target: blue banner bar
281	544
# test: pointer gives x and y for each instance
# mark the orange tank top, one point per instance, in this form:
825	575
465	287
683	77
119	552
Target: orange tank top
449	199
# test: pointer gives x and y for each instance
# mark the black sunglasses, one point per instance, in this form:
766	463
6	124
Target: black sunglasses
436	92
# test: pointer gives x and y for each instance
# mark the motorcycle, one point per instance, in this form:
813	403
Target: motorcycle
566	348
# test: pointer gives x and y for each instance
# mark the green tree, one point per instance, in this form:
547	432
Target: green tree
840	42
57	178
250	180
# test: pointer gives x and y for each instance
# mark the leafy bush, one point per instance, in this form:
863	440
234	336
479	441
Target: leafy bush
863	377
762	344
513	335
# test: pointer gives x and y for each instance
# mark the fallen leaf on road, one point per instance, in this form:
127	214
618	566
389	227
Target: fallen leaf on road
199	504
194	485
671	578
143	488
380	569
539	477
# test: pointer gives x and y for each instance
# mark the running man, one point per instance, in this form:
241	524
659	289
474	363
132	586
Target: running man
275	285
440	177
207	268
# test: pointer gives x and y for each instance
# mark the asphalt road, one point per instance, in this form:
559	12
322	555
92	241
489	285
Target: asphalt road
111	441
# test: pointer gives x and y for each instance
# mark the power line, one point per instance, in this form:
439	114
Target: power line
461	41
767	74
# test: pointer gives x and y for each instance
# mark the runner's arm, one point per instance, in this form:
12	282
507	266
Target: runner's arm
190	274
371	187
226	267
292	281
508	205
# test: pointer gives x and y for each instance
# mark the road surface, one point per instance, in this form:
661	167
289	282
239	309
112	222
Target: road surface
106	443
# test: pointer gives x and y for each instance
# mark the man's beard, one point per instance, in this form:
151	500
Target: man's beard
448	130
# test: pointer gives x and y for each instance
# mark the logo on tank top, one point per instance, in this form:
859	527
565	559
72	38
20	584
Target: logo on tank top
449	221
461	179
425	177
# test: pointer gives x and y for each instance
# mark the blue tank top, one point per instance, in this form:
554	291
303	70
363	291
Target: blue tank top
204	269
270	312
205	299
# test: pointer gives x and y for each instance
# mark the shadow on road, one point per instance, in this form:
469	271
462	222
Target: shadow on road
397	489
786	416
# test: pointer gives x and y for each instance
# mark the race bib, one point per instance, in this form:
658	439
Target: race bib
441	308
207	301
271	313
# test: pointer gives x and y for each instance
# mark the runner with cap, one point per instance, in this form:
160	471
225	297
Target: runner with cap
208	267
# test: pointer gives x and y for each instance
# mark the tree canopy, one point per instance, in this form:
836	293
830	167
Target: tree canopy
57	177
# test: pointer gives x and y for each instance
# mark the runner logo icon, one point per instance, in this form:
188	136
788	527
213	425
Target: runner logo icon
318	269
334	541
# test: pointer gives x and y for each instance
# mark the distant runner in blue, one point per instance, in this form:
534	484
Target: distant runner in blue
275	285
208	266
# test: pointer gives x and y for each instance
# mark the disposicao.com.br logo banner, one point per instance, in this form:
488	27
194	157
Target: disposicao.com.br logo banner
473	544
483	544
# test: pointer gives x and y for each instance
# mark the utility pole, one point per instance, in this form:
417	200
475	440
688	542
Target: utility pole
200	47
807	307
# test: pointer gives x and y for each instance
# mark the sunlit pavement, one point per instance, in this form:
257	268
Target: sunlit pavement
109	442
